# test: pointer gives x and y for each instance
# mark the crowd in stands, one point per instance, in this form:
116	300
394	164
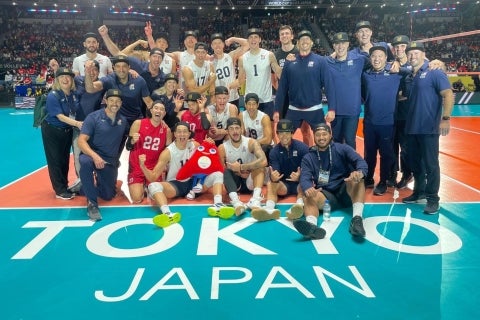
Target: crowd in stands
27	47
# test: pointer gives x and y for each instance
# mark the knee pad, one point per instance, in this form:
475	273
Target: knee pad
214	178
153	188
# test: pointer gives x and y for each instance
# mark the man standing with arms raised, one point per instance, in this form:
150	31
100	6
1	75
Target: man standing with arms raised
91	46
254	68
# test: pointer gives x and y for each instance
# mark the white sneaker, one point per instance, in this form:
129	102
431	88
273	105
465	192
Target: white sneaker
264	214
254	203
198	188
190	195
239	207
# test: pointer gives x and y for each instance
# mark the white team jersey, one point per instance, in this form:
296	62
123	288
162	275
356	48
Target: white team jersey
253	127
258	74
233	154
178	158
185	58
219	119
200	73
104	62
225	71
167	64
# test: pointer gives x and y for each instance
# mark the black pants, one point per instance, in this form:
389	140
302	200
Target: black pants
57	143
423	151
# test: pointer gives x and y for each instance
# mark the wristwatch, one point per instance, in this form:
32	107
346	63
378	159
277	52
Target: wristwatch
446	118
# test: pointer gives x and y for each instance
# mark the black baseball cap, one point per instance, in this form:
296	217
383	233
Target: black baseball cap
340	37
285	125
157	51
415	45
64	71
190	33
221	90
322	126
171	76
201	45
304	33
377	47
217	36
90	35
120	58
254	31
113	93
363	24
233	121
250	96
401	39
193	96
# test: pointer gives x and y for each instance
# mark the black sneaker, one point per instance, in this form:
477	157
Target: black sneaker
356	227
404	181
369	182
415	198
380	189
65	196
309	230
392	180
93	212
431	208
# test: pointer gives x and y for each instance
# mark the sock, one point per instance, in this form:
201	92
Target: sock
357	209
270	205
217	198
257	192
311	219
233	196
165	209
300	201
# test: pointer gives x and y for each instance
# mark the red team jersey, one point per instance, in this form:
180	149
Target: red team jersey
195	123
151	143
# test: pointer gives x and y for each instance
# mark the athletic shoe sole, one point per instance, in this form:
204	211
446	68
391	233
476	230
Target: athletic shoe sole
263	215
419	201
239	210
223	212
296	212
309	230
163	220
59	196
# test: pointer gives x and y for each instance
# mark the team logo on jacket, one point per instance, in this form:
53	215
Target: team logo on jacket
310	64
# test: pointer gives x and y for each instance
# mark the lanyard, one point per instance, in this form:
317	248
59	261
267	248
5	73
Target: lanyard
330	157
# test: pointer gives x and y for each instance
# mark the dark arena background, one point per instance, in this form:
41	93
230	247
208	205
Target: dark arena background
56	264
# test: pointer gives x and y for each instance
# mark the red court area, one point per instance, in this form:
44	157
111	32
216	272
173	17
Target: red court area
458	161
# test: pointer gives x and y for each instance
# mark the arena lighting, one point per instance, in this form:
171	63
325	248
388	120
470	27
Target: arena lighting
129	12
432	10
53	11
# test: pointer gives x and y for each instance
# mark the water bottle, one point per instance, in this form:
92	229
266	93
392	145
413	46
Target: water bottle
326	210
